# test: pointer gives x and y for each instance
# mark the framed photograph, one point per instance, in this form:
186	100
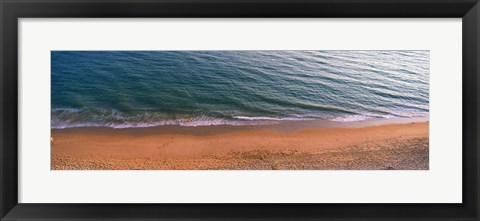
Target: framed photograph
229	110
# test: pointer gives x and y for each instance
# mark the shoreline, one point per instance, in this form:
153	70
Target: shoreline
283	125
401	146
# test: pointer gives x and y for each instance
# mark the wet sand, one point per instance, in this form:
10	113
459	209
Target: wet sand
385	147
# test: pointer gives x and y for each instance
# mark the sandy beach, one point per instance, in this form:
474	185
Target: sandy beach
385	147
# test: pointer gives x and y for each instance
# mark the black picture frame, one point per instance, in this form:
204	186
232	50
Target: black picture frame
11	10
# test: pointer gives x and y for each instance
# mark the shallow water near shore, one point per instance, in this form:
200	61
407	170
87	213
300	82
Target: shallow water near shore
282	126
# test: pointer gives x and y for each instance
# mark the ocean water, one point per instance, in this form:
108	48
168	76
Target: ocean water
122	89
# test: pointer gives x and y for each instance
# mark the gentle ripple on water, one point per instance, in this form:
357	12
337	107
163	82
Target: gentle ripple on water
193	88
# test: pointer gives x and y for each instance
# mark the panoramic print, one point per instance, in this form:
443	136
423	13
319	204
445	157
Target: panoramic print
240	110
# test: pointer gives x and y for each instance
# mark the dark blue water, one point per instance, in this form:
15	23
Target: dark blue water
191	88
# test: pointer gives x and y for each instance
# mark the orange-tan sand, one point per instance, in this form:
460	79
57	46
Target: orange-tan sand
385	147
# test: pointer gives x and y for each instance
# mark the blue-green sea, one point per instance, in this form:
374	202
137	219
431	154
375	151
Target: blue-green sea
122	89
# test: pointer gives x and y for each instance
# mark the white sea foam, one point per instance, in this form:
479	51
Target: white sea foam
177	122
71	118
351	118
